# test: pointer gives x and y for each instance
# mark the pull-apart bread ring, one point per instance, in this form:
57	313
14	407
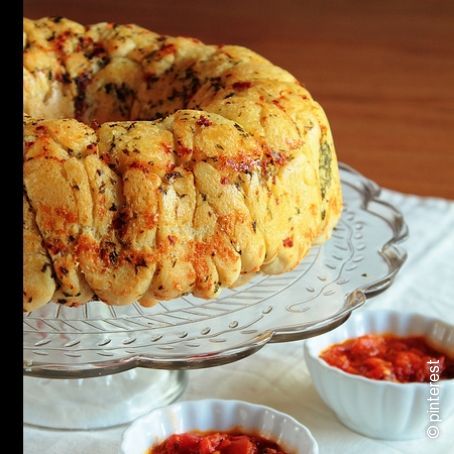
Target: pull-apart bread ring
156	166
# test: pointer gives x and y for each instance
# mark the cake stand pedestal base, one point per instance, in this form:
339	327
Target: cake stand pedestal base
99	402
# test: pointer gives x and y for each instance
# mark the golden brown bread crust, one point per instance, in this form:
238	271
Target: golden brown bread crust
39	285
202	165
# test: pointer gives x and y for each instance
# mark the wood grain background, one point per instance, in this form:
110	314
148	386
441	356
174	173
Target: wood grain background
383	70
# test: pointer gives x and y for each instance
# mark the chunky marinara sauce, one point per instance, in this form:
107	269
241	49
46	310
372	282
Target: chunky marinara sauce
391	358
216	443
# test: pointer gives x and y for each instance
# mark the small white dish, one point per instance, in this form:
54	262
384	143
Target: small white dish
381	409
222	415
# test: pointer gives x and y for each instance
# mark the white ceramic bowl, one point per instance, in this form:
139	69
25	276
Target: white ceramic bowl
380	409
214	414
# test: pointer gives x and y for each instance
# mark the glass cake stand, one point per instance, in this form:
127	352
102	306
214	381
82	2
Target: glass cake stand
99	366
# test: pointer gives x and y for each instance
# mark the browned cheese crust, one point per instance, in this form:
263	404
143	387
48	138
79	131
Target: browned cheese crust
156	166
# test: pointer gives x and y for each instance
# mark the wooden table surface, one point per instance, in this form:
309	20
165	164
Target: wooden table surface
383	71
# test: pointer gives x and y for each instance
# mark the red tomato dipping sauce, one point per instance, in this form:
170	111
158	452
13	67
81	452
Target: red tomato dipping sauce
391	358
216	443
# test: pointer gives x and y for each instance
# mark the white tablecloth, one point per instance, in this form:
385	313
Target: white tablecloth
277	375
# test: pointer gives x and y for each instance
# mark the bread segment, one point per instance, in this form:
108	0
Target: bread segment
39	284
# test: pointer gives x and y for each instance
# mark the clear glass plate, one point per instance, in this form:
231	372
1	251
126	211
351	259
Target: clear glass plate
359	261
